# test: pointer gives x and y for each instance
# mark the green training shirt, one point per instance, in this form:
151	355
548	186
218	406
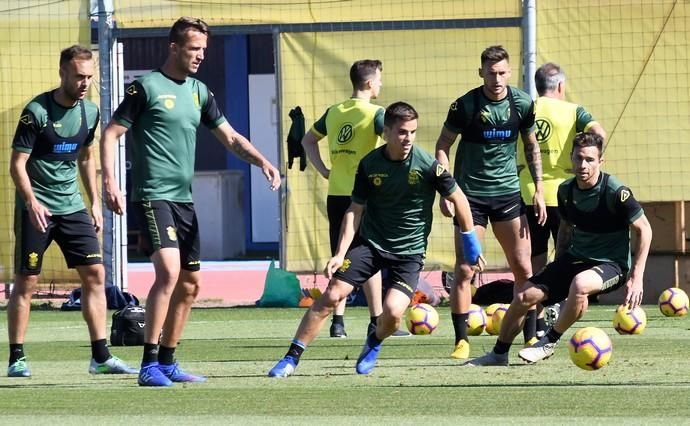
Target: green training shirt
485	161
53	169
601	218
399	197
163	115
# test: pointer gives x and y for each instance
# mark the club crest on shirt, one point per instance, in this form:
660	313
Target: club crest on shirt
172	233
195	97
377	181
413	177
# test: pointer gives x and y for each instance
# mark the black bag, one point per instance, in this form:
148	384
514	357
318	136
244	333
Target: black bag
128	326
114	298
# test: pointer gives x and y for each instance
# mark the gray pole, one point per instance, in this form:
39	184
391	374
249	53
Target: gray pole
105	44
529	45
281	161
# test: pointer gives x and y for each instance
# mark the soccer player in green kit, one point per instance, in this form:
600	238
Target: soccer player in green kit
164	109
386	226
598	214
352	128
489	118
557	123
54	139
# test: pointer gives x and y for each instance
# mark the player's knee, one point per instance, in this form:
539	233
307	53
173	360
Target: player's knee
25	285
579	288
192	289
332	297
463	275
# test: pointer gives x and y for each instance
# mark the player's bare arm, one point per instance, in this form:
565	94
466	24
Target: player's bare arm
533	159
310	142
634	288
445	140
111	192
463	214
244	150
87	171
461	209
38	213
348	229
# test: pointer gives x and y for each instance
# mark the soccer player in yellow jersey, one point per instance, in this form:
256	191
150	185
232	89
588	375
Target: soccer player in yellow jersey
557	123
352	128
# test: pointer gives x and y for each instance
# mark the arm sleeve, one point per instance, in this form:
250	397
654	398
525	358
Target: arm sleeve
92	130
319	127
211	115
455	119
562	211
360	192
626	205
132	105
27	131
527	123
378	121
442	181
583	119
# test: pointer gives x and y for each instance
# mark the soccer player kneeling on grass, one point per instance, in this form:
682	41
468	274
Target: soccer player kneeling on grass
386	226
592	254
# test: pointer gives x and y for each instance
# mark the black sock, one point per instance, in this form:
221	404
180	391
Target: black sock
296	350
460	326
501	347
338	319
16	352
99	350
373	320
541	325
553	336
529	329
150	353
166	355
372	340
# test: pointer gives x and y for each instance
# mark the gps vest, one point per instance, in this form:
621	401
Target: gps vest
52	147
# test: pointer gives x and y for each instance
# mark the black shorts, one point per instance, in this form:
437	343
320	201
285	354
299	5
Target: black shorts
501	208
336	206
168	224
73	232
555	279
539	235
363	260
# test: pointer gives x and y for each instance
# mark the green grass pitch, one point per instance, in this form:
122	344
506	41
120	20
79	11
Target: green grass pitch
416	382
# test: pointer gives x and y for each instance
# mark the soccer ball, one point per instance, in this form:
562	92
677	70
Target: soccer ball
629	321
673	302
476	320
421	319
590	348
494	317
